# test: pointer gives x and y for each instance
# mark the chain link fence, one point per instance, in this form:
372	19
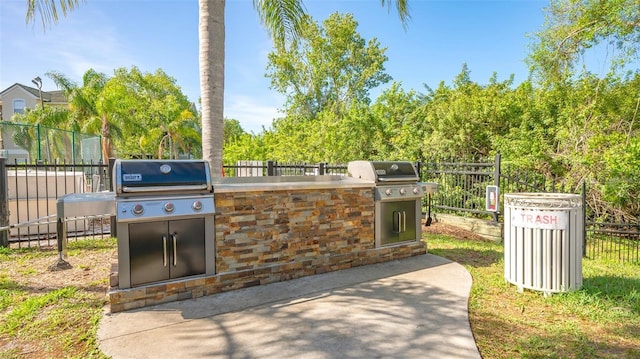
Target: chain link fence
28	143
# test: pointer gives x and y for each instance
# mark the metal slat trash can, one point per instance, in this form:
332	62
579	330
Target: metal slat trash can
543	240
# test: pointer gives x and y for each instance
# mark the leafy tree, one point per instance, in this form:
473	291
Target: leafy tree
603	145
247	146
465	119
282	18
160	115
240	145
400	126
573	27
326	74
527	142
329	137
327	67
135	112
232	130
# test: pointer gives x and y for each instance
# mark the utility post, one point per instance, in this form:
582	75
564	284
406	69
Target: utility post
38	82
4	204
496	182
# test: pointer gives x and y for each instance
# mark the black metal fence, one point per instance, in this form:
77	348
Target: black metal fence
34	188
28	216
462	185
613	241
463	192
274	168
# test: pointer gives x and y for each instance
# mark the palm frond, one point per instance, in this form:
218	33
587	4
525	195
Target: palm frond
402	6
49	11
283	19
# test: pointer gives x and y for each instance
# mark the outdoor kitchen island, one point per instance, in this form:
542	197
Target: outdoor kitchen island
271	229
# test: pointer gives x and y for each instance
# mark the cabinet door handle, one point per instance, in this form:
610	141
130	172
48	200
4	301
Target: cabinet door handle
404	221
398	217
175	248
164	250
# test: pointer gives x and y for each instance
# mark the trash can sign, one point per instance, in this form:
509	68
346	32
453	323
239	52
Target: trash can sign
492	198
539	219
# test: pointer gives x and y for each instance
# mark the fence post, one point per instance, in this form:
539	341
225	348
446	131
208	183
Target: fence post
496	182
112	161
73	147
112	220
322	168
4	203
584	218
271	168
38	139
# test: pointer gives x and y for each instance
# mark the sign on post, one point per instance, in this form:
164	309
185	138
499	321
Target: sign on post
492	199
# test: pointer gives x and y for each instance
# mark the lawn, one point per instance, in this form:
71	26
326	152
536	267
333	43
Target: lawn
53	314
602	320
46	314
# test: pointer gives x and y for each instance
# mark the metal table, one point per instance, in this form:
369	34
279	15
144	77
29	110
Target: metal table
79	205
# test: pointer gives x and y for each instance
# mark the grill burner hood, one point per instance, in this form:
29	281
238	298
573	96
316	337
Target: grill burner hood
383	171
167	176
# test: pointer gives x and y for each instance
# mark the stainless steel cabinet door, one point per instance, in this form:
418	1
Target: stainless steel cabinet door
148	252
397	222
164	250
408	211
187	247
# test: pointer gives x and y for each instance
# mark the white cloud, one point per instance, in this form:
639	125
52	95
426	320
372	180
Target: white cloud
71	47
252	113
78	51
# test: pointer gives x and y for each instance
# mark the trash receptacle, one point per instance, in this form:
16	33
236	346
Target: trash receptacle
543	241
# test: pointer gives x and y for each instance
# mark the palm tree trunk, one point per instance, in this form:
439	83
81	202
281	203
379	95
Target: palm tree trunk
107	150
211	37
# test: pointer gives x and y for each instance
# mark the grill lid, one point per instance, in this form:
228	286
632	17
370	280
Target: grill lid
161	175
383	171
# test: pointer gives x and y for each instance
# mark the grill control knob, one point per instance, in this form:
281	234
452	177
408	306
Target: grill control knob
197	206
169	207
137	209
388	191
415	190
403	191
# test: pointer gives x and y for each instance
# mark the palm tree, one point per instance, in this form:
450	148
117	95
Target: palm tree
282	18
85	109
173	134
41	124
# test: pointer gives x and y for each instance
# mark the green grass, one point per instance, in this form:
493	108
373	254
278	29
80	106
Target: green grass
601	320
41	321
23	315
9	292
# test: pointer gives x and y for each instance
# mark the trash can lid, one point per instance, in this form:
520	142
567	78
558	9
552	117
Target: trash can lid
543	200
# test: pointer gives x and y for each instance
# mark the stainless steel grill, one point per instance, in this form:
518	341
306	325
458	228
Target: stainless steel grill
398	198
165	220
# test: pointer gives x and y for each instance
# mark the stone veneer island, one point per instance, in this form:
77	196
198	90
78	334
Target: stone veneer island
272	229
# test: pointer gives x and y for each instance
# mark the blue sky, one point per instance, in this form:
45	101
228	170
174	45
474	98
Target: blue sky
489	36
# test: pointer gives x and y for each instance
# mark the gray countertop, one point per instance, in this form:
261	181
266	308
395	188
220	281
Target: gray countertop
283	183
